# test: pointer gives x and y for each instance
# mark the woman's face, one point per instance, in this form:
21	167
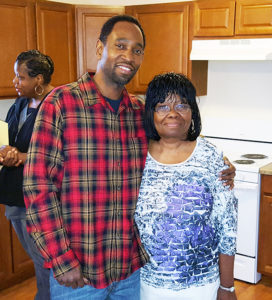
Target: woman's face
172	118
24	84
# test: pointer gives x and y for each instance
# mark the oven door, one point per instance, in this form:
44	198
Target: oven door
245	264
247	194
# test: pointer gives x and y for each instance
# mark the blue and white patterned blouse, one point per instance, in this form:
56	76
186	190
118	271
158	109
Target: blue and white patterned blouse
186	217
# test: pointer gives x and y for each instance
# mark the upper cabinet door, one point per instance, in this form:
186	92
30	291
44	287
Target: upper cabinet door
253	17
89	21
17	34
214	18
166	30
56	38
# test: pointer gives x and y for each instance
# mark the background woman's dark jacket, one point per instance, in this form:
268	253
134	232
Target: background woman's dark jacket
11	178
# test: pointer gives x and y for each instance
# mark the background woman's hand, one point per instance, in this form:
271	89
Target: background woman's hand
3	152
225	295
5	149
10	156
1	158
227	175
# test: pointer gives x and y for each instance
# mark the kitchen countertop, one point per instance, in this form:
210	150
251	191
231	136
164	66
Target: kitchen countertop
266	170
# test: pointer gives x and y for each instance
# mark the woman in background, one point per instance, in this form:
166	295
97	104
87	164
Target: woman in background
33	72
186	217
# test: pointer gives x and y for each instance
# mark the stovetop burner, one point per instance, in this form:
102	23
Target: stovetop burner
240	154
244	161
254	156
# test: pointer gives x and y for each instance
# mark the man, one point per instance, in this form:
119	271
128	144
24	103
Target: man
83	174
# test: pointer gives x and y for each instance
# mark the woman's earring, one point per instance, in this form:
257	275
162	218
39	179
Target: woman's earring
193	126
39	93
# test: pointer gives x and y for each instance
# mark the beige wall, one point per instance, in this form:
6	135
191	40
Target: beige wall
117	2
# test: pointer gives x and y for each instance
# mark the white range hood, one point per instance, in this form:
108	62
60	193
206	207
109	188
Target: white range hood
232	49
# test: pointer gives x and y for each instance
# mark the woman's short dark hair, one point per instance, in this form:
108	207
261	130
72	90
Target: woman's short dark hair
37	63
159	89
109	24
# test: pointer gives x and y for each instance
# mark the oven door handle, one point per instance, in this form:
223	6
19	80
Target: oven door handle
245	185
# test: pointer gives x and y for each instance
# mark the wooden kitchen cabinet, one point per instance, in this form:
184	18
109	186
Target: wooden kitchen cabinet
168	38
22	263
36	24
56	38
15	264
232	18
89	20
214	18
5	247
265	227
17	33
253	17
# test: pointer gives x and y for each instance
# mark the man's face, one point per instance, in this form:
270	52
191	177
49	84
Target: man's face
122	55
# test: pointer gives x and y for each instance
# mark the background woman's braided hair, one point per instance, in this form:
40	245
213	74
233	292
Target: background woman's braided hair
37	63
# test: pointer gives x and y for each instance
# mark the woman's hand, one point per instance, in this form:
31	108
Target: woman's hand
10	156
4	150
228	174
225	295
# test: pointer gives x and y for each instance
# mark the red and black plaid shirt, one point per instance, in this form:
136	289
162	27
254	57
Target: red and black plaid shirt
81	183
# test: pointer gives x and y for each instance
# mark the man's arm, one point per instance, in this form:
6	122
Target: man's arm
43	175
227	175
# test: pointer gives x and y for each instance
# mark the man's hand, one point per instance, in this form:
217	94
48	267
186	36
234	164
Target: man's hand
73	278
228	175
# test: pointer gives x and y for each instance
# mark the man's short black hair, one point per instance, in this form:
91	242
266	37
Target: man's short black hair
159	89
108	26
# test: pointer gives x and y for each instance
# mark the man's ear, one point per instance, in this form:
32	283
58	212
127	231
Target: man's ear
99	49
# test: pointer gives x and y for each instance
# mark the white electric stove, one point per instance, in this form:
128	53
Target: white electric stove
247	157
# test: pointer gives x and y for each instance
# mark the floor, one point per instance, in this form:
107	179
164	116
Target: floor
244	291
260	291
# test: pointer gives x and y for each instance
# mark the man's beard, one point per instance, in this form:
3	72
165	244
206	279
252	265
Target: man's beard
121	80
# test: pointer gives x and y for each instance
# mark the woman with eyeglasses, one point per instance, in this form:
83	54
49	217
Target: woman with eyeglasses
33	71
187	218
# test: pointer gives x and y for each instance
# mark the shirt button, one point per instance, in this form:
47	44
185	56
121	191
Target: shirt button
118	188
